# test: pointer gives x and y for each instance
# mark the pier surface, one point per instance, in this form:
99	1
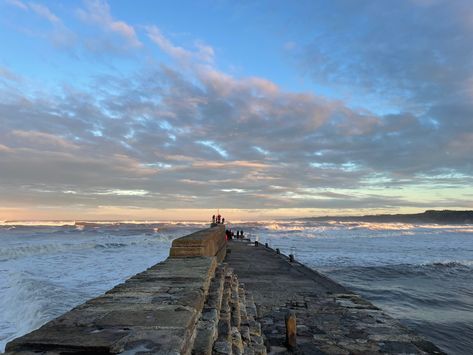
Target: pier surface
215	297
330	318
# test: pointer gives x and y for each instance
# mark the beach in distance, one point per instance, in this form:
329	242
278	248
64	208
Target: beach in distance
421	274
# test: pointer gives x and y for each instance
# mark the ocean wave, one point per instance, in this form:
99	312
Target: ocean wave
451	264
110	245
27	250
284	227
100	223
433	271
9	253
37	223
26	303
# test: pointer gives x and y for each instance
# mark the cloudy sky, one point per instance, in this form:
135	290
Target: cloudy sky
263	109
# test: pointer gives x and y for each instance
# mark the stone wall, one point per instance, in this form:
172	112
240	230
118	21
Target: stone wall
207	242
158	311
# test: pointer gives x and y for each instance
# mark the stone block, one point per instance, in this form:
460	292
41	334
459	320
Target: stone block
164	316
208	242
204	340
223	347
237	342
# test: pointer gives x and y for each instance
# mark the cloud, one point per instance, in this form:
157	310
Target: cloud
189	134
7	74
413	56
154	33
4	148
45	12
203	53
314	153
58	34
39	9
17	3
98	12
120	192
42	139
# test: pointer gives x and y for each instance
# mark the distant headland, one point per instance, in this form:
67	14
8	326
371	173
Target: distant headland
430	216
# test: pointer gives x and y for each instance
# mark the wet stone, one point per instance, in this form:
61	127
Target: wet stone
245	333
210	315
396	347
222	347
255	328
237	343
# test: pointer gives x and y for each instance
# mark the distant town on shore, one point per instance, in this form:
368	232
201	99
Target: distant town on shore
430	216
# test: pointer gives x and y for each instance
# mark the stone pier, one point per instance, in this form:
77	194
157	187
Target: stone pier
330	319
217	297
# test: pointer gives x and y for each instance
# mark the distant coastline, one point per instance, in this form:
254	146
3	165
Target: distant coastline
430	216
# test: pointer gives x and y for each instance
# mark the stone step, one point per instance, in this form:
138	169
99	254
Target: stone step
223	344
207	325
227	325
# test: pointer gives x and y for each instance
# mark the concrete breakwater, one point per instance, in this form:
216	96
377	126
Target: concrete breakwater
214	297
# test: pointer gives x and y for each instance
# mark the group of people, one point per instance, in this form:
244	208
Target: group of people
218	219
231	235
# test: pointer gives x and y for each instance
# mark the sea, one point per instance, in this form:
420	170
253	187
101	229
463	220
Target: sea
421	274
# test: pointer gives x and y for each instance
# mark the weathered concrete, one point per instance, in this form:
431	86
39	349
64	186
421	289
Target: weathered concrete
330	318
207	242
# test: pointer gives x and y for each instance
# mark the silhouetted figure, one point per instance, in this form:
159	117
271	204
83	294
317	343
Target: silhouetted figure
223	220
219	218
241	235
213	219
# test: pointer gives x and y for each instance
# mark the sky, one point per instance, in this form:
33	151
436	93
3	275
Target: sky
269	109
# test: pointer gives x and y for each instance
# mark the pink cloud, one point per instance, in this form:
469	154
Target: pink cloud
98	12
461	144
155	34
203	53
5	149
231	164
43	139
